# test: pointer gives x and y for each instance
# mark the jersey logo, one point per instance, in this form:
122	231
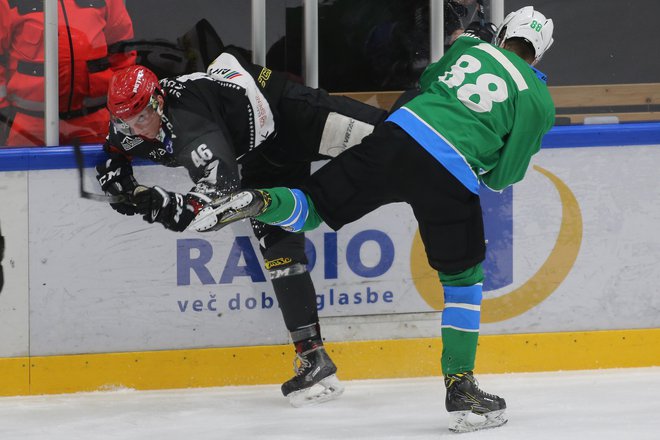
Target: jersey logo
229	74
264	76
128	143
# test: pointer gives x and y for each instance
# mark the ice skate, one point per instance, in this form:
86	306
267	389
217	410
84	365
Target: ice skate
229	209
315	380
241	205
471	409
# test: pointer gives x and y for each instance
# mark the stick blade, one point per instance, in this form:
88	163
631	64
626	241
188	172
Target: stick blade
80	162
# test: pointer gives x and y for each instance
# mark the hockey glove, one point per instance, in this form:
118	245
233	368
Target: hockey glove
485	32
172	210
115	176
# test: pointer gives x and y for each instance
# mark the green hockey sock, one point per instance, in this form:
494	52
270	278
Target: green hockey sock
291	209
460	319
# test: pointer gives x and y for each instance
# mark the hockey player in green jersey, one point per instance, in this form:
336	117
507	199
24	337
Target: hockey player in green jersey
481	114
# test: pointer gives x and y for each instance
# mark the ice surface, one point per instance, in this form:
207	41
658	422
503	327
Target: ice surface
593	405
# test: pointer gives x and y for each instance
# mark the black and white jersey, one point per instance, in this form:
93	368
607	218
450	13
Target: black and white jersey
211	120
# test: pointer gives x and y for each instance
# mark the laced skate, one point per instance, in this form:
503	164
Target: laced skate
315	380
471	409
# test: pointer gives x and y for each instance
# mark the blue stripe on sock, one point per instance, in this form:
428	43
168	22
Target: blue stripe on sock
464	294
458	317
297	219
461	319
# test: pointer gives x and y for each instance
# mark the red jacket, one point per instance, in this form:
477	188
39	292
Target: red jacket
85	28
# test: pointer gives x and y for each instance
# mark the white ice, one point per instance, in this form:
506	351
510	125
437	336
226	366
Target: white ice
593	405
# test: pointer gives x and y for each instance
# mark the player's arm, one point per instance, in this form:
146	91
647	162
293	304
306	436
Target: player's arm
485	32
522	143
515	156
115	175
211	165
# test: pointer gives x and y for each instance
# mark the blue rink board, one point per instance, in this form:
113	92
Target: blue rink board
569	136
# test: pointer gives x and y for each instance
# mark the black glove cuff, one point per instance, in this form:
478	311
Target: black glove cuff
115	176
185	218
124	208
485	32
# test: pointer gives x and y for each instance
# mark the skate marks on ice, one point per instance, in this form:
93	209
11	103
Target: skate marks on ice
598	405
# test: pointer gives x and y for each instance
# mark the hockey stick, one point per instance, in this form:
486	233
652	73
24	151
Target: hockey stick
80	161
480	13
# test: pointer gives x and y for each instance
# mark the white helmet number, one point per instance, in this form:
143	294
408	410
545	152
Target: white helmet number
536	26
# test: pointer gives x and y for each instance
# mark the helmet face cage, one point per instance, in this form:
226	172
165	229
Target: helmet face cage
530	25
123	127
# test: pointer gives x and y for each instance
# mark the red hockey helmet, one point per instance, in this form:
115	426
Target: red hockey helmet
131	90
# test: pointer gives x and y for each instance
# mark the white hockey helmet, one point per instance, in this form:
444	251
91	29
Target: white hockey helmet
528	24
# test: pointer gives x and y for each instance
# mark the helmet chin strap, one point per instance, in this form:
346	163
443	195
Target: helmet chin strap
162	133
165	134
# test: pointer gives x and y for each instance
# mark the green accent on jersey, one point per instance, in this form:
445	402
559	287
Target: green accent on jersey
475	103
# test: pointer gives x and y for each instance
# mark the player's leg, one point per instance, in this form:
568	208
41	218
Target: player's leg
286	263
460	334
451	227
350	186
314	125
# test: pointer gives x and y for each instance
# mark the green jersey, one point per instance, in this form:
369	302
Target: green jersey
482	113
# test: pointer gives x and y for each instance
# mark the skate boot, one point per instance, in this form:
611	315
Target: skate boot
315	380
466	401
225	210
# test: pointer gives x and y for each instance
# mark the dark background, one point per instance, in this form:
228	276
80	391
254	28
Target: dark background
596	41
600	41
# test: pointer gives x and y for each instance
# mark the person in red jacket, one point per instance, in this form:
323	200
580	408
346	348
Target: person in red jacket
87	31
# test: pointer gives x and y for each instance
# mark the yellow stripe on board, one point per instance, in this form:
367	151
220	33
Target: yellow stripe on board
355	360
14	376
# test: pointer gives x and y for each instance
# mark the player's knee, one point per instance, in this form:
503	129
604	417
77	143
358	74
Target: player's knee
468	277
284	254
277	271
461	288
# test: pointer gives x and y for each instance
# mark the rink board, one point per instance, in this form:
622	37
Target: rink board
570	253
355	360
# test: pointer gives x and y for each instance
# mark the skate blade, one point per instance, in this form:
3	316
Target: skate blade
466	421
327	389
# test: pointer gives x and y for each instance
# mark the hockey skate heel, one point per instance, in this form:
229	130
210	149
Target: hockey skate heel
315	380
470	408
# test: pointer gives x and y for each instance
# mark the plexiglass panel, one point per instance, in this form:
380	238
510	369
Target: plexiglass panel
364	45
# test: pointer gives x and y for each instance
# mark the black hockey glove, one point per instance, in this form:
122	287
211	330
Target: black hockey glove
115	176
172	210
485	32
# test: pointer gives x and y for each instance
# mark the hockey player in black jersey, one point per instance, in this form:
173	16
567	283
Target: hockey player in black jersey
237	112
